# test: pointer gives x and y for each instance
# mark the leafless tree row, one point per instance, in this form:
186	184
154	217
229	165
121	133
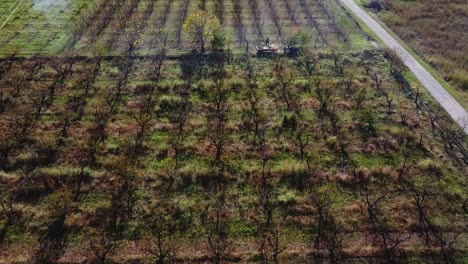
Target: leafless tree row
5	67
238	24
285	77
332	20
23	93
255	115
270	238
219	7
274	16
147	12
83	26
312	21
123	24
74	108
327	235
182	17
217	131
257	17
291	12
102	15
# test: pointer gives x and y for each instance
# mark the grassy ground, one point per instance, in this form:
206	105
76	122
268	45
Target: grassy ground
453	88
354	150
218	158
441	38
40	27
37	26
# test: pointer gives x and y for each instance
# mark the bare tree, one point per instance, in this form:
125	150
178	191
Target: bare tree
179	114
338	62
326	233
53	242
270	244
165	222
382	236
255	113
324	96
217	226
9	214
103	245
285	76
143	115
217	129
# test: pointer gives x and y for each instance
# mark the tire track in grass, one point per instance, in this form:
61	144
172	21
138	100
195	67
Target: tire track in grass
11	14
328	29
162	20
301	18
149	10
8	10
103	14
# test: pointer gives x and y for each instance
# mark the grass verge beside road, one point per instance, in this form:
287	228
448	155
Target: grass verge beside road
460	96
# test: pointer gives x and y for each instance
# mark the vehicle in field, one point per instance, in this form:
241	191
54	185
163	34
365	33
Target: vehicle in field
271	50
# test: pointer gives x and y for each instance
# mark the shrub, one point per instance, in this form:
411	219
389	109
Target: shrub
374	4
289	121
461	78
393	19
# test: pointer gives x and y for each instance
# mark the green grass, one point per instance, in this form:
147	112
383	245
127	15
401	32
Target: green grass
46	29
192	188
460	96
36	28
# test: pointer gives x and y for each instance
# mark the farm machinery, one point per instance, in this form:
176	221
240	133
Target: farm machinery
271	50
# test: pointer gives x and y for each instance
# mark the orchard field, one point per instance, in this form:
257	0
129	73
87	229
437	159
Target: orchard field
122	142
81	26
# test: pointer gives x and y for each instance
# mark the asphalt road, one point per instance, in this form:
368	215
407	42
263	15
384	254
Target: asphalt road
455	110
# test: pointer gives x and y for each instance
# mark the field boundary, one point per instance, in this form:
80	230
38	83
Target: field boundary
355	22
448	135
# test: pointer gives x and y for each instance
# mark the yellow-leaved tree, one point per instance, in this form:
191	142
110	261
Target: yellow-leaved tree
202	27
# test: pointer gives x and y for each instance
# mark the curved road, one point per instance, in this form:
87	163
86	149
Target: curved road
449	103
